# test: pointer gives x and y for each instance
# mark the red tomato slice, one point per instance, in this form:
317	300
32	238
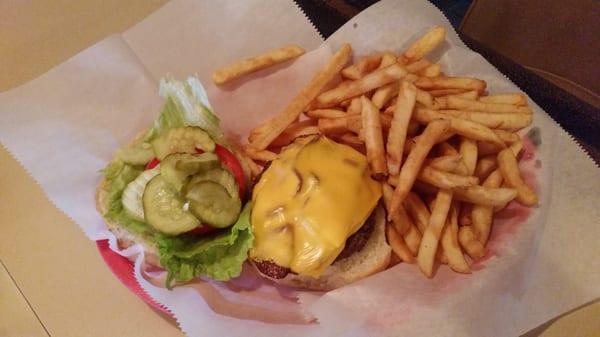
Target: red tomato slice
152	164
230	161
200	230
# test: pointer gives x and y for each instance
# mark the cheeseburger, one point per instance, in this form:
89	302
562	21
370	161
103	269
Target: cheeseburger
315	217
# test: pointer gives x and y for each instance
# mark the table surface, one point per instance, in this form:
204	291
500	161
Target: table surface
52	280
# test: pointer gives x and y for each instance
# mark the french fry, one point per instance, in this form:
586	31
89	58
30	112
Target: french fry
417	210
433	232
417	66
442	101
387	59
468	151
398	244
481	215
355	107
501	207
446	180
448	163
433	70
295	130
373	138
351	72
345	104
411	78
463	127
385	94
516	148
363	66
402	222
503	121
485	166
410	143
267	132
424	45
260	155
413	239
333	126
516	99
469	242
481	195
442	82
400	218
250	65
507	136
509	167
425	98
399	127
414	161
449	242
376	79
486	149
445	149
446	92
471	95
354	122
325	113
458	103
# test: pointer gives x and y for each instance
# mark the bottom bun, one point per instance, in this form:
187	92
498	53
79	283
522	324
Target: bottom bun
374	257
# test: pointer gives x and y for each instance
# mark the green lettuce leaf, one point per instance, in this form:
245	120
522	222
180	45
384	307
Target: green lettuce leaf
118	175
186	104
219	257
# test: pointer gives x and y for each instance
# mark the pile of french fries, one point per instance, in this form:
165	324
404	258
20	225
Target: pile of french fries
445	151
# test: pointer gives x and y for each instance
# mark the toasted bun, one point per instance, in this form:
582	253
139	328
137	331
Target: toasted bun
374	257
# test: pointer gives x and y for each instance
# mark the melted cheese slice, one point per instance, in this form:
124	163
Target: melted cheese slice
308	202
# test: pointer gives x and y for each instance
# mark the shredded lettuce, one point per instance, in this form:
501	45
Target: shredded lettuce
118	175
186	104
219	257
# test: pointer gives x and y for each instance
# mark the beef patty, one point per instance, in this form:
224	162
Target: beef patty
355	243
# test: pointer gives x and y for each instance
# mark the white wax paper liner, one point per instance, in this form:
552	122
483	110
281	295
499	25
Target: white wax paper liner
103	96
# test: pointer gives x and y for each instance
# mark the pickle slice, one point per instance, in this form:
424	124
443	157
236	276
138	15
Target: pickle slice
139	155
186	139
176	168
211	203
220	176
164	209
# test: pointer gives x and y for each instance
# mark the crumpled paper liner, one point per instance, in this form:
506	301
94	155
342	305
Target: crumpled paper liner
83	109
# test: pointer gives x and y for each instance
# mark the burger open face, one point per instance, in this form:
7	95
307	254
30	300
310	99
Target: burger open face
179	190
